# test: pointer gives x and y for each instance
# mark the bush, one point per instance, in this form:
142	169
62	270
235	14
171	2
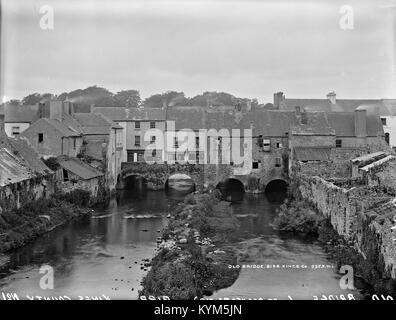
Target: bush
78	197
297	217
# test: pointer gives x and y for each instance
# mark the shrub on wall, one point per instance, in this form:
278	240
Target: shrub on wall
78	197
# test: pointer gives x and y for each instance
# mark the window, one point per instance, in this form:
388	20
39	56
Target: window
65	175
278	162
137	125
338	143
152	139
279	145
137	141
40	137
383	120
154	153
152	125
387	137
266	145
197	142
175	143
260	141
74	144
130	156
15	131
255	165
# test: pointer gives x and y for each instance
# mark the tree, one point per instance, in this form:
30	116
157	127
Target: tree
128	98
14	102
34	98
171	98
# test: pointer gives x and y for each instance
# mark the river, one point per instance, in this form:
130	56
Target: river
103	255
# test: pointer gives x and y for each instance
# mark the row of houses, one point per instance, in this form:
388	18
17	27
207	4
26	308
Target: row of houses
290	130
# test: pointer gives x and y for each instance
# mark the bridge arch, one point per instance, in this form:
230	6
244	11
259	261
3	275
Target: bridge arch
134	181
180	182
232	189
276	185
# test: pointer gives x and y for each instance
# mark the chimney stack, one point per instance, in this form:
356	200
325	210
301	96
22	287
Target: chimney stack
3	136
91	108
279	99
55	109
331	96
2	130
360	123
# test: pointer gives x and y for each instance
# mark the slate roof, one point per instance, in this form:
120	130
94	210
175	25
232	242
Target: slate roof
79	168
19	162
386	107
63	128
316	124
28	114
187	117
312	153
131	114
344	124
95	123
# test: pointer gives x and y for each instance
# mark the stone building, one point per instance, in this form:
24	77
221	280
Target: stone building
102	143
59	134
23	176
140	126
385	109
74	174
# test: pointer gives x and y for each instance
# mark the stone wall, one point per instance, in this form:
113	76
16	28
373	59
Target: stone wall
325	169
351	214
156	175
12	196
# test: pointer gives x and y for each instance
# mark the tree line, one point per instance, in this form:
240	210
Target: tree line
102	97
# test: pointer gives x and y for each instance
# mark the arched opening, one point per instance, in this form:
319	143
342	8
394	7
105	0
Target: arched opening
276	190
135	182
231	189
180	183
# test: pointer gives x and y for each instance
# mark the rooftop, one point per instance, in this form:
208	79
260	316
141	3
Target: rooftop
79	168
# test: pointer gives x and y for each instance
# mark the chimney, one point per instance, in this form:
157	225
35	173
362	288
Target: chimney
248	105
91	108
3	136
279	99
2	130
360	123
331	96
56	109
298	110
164	105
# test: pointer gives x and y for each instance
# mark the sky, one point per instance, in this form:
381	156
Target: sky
247	48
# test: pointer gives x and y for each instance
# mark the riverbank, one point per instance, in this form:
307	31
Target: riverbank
300	217
20	226
195	252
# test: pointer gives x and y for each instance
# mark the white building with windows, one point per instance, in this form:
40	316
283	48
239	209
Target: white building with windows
19	118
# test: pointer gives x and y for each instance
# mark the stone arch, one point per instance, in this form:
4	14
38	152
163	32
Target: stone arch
188	186
133	181
275	185
232	189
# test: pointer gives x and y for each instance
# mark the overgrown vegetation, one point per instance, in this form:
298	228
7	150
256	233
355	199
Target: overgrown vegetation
300	217
194	256
297	217
34	218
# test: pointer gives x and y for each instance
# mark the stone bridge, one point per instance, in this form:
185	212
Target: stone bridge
157	175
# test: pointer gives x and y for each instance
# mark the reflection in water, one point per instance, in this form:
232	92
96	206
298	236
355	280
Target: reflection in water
269	258
95	255
103	254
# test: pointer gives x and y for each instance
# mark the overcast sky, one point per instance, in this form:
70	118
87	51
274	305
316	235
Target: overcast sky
247	48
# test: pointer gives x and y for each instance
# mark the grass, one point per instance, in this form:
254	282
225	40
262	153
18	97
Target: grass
186	271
